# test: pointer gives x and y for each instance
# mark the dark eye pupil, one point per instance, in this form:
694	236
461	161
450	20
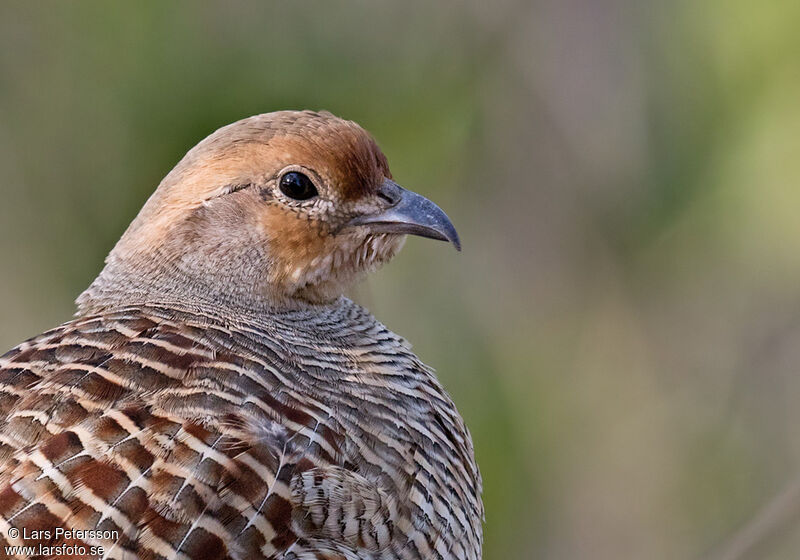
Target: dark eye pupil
297	186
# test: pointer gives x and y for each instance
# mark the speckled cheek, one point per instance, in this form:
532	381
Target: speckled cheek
294	240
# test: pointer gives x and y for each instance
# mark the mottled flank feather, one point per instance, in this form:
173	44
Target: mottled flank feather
304	436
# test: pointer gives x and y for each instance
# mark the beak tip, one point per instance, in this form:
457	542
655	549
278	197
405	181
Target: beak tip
449	233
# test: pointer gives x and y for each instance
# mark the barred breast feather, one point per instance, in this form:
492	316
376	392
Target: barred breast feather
164	432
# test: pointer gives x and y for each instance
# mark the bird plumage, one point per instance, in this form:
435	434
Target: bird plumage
273	419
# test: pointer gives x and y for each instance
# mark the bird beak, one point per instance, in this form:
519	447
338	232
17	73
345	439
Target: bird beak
410	213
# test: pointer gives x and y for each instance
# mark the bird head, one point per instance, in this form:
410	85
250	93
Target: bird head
279	208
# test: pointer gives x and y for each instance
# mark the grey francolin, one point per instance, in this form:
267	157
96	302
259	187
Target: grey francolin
217	396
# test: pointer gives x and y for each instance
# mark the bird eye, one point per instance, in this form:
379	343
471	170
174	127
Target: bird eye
297	186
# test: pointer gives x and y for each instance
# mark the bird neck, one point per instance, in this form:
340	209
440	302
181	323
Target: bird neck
153	280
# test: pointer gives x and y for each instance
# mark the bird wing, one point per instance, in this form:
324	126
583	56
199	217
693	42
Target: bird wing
159	439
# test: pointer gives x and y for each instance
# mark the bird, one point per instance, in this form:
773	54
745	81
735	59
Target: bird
217	395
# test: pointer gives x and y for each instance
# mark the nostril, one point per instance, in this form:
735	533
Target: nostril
386	197
390	192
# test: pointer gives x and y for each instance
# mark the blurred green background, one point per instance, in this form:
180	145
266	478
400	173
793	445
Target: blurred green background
622	329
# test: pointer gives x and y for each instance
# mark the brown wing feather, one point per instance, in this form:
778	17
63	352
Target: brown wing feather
184	437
